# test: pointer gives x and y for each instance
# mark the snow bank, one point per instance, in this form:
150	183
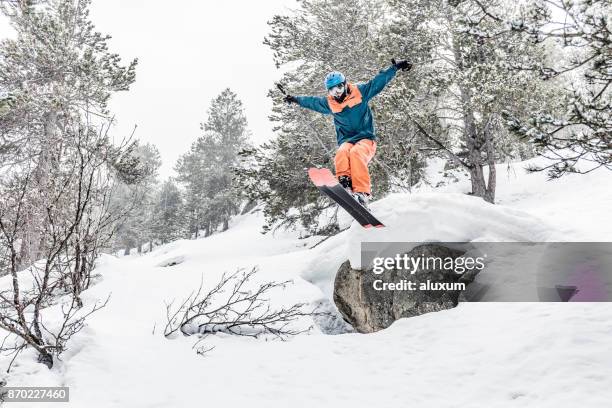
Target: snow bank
483	354
450	217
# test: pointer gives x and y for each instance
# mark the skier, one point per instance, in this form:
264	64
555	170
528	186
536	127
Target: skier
348	103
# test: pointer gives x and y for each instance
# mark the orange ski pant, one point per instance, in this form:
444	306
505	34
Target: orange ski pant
352	160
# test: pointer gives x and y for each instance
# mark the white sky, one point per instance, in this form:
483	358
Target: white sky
188	52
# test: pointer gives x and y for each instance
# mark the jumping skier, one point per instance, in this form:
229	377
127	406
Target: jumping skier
348	103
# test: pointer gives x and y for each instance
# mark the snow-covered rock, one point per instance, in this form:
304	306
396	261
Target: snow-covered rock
369	306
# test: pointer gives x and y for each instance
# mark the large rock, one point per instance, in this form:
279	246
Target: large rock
369	310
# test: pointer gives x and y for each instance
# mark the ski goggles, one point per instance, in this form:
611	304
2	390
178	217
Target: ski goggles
336	90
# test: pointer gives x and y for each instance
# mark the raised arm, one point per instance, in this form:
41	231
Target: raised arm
315	103
373	87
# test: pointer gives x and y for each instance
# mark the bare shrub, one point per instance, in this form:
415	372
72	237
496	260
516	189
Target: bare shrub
234	306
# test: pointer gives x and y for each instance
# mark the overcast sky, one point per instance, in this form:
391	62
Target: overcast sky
188	52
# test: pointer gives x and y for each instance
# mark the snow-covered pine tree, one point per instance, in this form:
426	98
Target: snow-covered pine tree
576	136
469	83
61	75
190	169
323	36
207	170
452	51
138	200
168	213
57	165
228	131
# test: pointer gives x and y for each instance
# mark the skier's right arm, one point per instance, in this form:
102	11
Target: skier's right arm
315	103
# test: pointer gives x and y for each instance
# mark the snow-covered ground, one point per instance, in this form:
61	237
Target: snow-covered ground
476	355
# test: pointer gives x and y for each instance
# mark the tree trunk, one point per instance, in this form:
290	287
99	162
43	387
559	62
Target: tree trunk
45	358
32	242
475	141
474	145
248	206
490	149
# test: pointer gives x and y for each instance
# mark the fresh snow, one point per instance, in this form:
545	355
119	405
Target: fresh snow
476	355
451	217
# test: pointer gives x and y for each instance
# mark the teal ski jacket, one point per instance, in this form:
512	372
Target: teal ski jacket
352	117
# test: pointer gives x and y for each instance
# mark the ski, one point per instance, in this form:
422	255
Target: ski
325	181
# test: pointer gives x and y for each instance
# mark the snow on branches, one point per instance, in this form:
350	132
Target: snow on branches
237	307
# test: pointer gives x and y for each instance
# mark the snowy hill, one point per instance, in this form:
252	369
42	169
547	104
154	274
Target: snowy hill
476	355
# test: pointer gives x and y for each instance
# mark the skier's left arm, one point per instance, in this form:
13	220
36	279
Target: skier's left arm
373	87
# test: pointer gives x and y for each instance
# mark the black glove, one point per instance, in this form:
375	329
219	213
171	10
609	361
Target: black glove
404	65
290	99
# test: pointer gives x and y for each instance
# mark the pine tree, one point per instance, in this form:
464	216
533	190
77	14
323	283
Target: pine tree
576	133
57	165
469	84
138	200
323	36
419	115
61	75
207	170
168	213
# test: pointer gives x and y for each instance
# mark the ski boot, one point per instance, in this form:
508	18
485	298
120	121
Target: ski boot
363	199
346	182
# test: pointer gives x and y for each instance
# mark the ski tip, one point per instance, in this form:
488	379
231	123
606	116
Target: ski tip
321	177
375	226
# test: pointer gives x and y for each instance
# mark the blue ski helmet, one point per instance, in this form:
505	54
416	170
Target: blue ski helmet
334	78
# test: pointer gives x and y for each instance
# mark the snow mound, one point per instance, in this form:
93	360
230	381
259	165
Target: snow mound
485	354
450	217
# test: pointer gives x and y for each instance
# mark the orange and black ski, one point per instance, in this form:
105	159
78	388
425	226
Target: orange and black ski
328	185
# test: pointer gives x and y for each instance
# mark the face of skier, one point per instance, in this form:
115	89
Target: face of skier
337	91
